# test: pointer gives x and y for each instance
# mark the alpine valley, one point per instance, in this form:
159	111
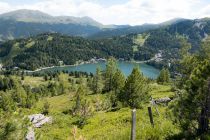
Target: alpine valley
73	78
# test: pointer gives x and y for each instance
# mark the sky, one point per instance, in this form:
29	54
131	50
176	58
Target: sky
120	12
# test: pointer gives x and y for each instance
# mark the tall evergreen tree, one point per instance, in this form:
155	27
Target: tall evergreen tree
78	98
192	100
97	84
118	82
136	89
164	76
191	106
167	75
111	68
18	93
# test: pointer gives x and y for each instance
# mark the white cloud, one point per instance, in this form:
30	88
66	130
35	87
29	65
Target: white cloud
205	12
132	12
5	7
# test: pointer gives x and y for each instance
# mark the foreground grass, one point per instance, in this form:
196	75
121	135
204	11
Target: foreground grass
160	91
105	125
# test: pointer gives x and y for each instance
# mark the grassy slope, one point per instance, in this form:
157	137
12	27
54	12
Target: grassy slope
34	81
104	125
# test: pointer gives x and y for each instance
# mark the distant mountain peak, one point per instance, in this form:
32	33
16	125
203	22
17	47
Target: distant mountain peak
26	16
36	16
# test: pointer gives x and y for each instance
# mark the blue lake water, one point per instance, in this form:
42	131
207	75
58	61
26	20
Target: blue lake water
125	67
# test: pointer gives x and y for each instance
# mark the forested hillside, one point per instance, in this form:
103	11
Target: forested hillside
160	46
49	49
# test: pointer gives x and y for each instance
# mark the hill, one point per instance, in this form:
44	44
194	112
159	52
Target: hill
158	47
36	16
107	33
134	29
26	23
48	49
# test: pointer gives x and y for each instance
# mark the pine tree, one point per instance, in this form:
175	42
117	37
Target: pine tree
136	89
191	107
18	93
118	82
6	102
81	108
79	97
63	84
167	76
46	107
164	76
111	68
97	85
191	104
205	49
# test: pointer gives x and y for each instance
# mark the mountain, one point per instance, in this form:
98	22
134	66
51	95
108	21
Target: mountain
25	23
35	16
194	30
124	30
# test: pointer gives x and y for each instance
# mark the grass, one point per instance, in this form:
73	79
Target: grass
57	104
50	38
140	39
160	91
30	44
34	81
104	125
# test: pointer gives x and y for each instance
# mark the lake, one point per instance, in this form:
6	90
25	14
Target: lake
125	67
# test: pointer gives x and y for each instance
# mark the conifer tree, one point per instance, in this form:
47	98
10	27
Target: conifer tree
78	98
167	76
164	76
192	101
118	82
18	93
136	89
191	106
6	102
111	68
97	85
46	107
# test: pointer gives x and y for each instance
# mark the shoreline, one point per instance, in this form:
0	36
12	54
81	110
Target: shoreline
85	62
44	68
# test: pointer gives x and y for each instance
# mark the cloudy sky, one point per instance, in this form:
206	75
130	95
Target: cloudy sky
133	12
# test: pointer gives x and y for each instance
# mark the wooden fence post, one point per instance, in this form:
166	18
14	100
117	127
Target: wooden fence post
150	116
133	124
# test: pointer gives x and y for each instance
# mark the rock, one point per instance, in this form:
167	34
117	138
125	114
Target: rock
162	100
45	120
30	135
39	119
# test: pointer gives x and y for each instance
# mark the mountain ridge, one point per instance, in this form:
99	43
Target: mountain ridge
26	23
25	15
